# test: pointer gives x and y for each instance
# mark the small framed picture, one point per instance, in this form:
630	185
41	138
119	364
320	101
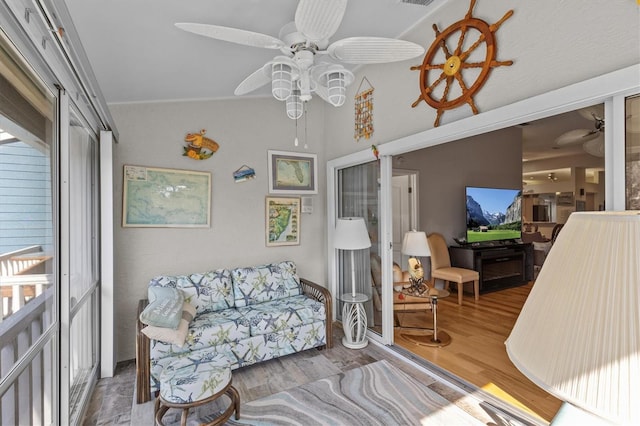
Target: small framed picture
292	173
282	221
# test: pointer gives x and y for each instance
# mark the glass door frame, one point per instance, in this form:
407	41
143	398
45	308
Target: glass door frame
610	89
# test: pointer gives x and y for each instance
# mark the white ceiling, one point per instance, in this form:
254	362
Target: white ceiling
138	55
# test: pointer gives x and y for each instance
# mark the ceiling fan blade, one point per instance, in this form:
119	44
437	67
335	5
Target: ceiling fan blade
319	19
256	80
576	136
594	147
592	112
322	92
373	50
233	35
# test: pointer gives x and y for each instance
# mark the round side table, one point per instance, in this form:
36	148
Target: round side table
437	338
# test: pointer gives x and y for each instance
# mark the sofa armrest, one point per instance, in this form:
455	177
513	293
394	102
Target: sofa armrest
143	360
322	295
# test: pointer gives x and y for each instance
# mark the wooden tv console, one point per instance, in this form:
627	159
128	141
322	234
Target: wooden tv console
500	265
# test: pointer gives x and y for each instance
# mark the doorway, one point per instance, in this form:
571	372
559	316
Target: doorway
405	208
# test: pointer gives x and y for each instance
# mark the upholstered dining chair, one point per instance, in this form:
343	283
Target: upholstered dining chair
441	267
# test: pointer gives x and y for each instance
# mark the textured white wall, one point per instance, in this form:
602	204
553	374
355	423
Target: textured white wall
553	43
152	135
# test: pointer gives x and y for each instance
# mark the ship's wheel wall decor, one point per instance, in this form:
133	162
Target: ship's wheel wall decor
458	63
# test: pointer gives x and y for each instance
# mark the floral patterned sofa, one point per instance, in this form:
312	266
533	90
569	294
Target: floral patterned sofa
249	314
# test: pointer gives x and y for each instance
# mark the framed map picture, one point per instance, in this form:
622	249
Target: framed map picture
292	173
282	221
155	197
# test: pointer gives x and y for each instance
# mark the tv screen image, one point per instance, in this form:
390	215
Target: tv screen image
493	214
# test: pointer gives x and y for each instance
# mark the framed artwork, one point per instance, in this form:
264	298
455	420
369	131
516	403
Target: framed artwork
292	173
155	197
282	221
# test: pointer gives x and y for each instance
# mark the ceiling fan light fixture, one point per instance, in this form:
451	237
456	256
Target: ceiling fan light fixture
294	105
335	79
281	80
336	88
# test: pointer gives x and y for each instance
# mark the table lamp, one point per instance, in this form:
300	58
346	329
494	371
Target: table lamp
578	334
415	244
351	234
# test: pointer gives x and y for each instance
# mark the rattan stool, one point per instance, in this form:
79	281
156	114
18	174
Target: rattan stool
189	385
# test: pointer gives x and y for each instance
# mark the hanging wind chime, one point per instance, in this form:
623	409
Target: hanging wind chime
364	111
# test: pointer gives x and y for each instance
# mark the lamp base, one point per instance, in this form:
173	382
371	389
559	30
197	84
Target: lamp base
354	321
355	345
443	339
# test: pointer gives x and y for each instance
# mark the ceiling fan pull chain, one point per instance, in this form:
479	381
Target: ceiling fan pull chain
306	145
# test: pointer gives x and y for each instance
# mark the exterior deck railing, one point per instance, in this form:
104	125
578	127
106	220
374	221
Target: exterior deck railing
24	275
24	401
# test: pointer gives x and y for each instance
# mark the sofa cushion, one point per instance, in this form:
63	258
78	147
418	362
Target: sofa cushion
208	292
266	282
215	328
282	314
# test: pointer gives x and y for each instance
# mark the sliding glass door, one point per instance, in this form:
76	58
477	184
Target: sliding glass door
49	249
359	196
28	246
80	285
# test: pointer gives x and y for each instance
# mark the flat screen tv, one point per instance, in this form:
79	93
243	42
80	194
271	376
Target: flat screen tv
493	214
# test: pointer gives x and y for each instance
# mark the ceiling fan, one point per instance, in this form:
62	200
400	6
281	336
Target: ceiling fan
592	140
295	74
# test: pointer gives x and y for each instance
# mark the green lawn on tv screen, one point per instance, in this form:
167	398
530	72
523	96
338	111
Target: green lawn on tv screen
497	234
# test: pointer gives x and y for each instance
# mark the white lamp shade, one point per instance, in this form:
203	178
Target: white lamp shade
578	334
415	244
351	234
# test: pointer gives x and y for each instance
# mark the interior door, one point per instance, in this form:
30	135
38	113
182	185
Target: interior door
400	203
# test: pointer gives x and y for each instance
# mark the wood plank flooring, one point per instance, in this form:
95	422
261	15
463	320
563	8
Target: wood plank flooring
477	352
476	355
113	400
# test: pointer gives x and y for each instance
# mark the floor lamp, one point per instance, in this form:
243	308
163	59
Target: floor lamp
351	234
578	334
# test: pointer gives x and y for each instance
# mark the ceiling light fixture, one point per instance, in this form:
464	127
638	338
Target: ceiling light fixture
294	81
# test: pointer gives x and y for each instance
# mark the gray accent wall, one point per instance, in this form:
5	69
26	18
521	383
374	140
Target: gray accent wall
489	160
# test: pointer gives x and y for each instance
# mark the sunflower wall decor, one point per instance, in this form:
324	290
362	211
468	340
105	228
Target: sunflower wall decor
442	68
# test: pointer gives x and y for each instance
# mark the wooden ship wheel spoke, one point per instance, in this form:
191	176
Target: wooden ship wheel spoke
434	73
